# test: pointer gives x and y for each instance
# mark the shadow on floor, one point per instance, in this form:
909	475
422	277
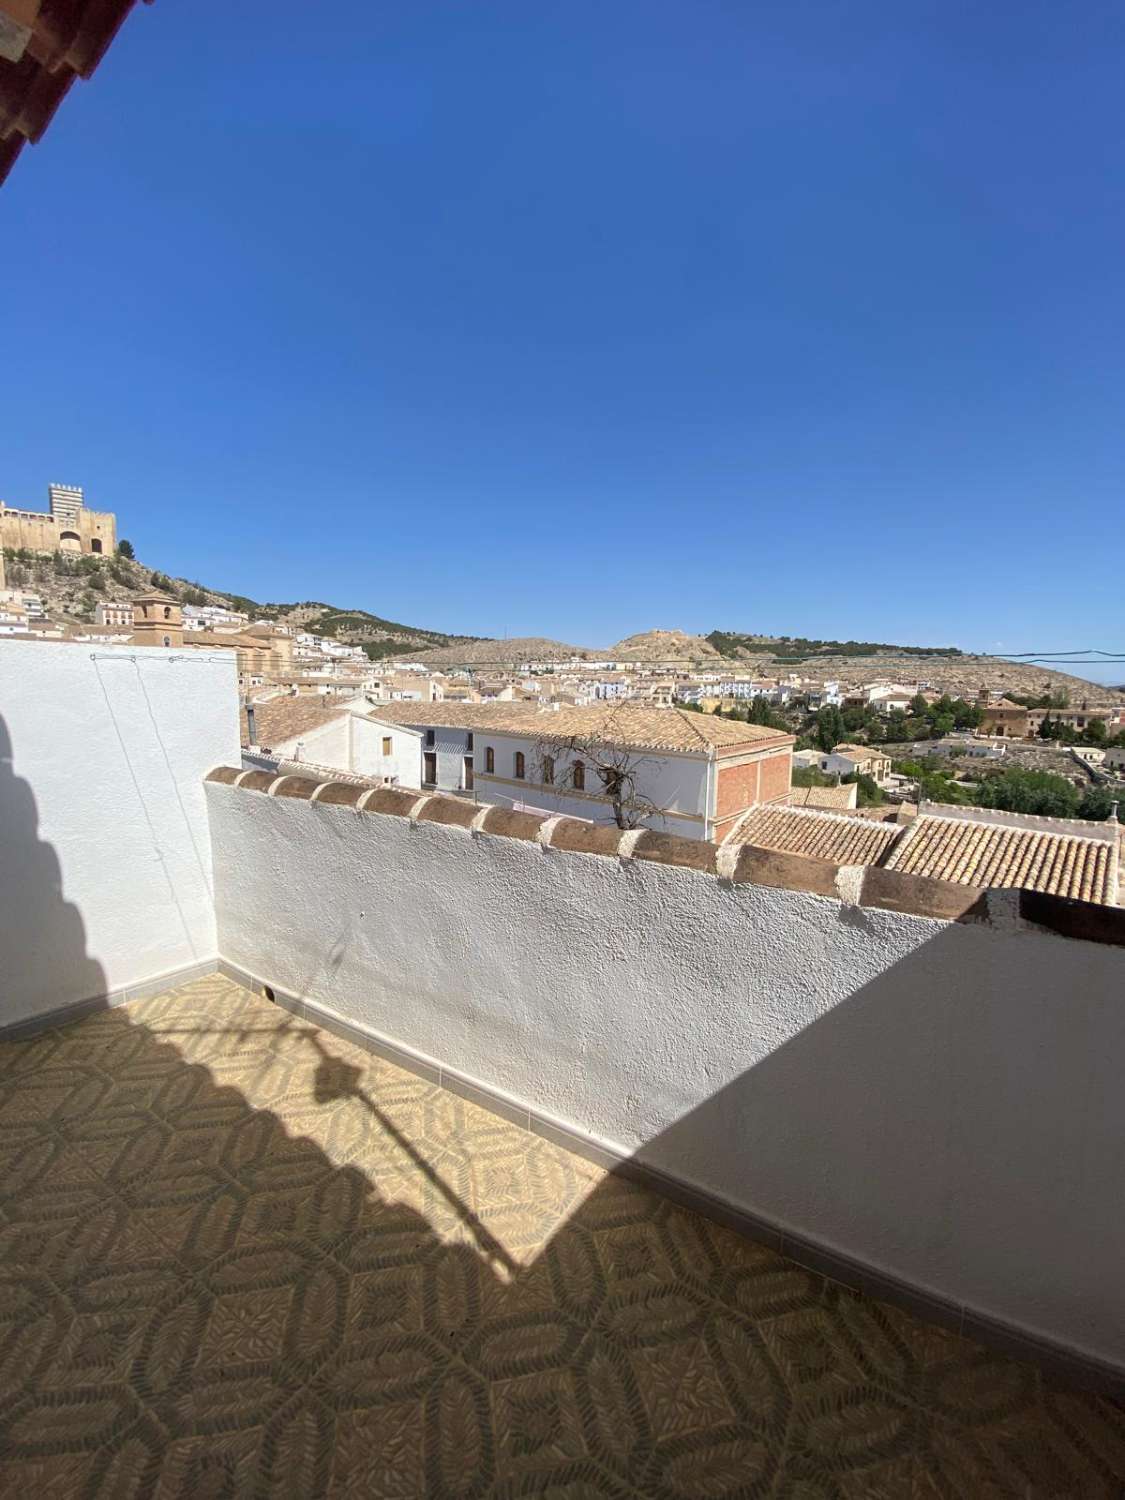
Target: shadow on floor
240	1257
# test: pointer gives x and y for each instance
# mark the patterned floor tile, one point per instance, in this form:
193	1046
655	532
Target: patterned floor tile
239	1256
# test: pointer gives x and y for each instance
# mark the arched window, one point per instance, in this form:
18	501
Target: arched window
95	545
167	612
489	758
518	771
548	770
578	776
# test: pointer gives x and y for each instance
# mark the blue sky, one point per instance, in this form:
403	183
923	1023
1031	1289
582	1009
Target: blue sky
577	319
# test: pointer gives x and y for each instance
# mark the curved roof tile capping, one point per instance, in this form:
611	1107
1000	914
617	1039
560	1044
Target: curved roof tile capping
44	46
621	724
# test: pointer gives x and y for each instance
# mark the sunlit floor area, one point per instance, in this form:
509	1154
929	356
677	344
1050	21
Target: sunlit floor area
243	1258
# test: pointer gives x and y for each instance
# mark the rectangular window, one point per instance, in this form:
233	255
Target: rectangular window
467	779
470	744
517	765
489	758
429	768
429	736
386	744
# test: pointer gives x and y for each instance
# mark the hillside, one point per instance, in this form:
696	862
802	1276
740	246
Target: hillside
472	651
72	586
664	645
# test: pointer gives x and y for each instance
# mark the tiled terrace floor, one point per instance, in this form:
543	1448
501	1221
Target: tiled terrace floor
241	1258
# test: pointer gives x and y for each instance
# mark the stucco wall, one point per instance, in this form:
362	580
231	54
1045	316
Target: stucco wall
677	784
941	1101
105	879
367	758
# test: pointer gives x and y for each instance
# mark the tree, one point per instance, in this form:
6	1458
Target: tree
813	776
829	727
898	725
1098	802
868	791
125	549
1037	792
594	762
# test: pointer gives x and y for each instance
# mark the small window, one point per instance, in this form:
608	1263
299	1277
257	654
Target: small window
489	758
386	744
517	764
548	770
429	736
167	612
470	744
578	776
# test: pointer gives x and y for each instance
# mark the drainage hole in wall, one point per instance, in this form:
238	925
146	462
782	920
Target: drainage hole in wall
267	992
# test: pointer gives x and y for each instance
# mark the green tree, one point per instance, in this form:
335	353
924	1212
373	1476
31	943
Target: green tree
1095	732
868	791
1098	802
125	549
829	727
1038	792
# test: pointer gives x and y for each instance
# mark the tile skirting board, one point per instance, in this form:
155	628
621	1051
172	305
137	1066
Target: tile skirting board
77	1010
1057	1360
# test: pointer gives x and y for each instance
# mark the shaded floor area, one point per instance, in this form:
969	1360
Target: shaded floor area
239	1257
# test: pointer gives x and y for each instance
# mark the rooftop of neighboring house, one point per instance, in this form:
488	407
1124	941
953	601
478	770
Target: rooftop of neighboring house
835	798
862	751
951	847
625	724
820	835
974	847
277	721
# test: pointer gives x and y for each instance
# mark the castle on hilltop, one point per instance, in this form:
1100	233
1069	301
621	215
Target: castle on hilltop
69	527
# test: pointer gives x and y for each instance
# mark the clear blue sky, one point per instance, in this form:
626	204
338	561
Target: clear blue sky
578	319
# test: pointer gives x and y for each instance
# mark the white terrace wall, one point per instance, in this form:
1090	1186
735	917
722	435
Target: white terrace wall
105	874
941	1101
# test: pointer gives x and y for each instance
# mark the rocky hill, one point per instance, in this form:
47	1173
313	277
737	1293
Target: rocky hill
71	587
473	652
664	645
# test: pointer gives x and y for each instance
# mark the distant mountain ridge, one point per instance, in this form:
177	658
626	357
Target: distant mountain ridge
71	587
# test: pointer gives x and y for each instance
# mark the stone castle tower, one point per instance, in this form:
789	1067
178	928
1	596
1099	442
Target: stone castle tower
69	527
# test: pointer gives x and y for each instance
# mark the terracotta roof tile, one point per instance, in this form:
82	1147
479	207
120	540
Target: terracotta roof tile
993	854
279	720
621	724
820	835
837	798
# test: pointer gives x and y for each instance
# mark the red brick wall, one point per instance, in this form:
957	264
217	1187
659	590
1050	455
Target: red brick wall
737	789
777	775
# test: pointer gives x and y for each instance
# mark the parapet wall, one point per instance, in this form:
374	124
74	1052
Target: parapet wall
918	1077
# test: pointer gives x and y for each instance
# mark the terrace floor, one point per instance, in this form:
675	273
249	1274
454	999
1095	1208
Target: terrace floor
240	1257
